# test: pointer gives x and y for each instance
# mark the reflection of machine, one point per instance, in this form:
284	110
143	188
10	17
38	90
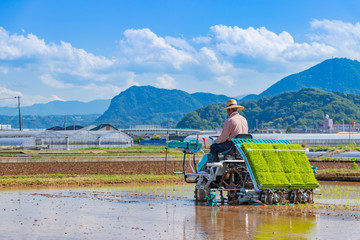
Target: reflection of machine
254	170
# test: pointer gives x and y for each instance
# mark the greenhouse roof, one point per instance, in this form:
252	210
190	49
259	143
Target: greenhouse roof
17	141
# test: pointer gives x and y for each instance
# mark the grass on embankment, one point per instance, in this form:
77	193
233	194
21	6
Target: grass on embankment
327	148
83	180
355	169
94	152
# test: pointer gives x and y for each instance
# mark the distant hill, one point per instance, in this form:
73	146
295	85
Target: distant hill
303	108
44	122
150	105
337	75
60	108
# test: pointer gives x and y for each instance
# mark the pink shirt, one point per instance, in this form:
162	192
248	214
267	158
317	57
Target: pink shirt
234	125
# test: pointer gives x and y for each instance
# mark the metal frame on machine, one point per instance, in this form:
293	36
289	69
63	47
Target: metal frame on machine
192	147
204	180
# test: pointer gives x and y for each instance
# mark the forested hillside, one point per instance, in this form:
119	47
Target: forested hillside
337	75
44	122
150	105
304	108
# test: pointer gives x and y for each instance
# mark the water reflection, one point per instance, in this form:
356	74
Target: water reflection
244	223
346	194
160	212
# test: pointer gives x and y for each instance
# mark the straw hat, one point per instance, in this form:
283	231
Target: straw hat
233	104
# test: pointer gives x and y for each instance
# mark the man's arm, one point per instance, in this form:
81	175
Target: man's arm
224	134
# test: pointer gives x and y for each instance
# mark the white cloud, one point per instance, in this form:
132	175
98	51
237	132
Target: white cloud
166	81
106	91
51	82
8	99
262	43
29	100
343	37
103	91
56	98
338	27
217	61
209	58
201	39
225	80
144	46
179	43
56	58
7	93
131	80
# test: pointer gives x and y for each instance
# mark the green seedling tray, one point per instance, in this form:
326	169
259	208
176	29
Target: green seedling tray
277	164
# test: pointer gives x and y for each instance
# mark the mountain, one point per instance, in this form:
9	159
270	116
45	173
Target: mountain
60	108
303	108
241	96
44	122
150	105
332	75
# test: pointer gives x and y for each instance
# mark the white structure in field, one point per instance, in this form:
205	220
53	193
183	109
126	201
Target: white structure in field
64	140
4	127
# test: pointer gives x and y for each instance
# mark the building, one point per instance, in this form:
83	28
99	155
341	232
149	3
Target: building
328	123
347	127
104	127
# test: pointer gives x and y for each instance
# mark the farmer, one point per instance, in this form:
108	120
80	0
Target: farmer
235	124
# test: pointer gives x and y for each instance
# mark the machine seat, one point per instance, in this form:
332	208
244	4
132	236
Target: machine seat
232	151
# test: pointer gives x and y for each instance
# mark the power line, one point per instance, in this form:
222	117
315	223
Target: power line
7	98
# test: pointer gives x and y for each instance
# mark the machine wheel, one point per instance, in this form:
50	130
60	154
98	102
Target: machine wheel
298	197
269	197
308	196
281	195
200	194
232	179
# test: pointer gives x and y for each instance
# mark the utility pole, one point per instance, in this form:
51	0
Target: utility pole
20	126
166	147
18	97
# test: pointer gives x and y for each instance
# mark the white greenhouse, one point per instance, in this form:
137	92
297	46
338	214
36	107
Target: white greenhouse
64	140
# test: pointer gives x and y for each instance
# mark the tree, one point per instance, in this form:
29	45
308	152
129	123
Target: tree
288	130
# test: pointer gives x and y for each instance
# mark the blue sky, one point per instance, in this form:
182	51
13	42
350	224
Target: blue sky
86	50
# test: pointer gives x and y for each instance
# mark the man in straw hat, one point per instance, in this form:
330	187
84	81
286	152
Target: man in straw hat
235	124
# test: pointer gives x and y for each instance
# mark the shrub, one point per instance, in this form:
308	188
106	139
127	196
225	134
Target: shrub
355	166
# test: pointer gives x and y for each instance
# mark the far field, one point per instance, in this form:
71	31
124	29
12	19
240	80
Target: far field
108	166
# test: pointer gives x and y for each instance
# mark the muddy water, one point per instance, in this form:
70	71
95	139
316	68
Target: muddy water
169	212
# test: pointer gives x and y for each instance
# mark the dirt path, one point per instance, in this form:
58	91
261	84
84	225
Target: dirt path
114	167
126	167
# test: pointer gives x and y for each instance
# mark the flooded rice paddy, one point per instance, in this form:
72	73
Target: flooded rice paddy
169	212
